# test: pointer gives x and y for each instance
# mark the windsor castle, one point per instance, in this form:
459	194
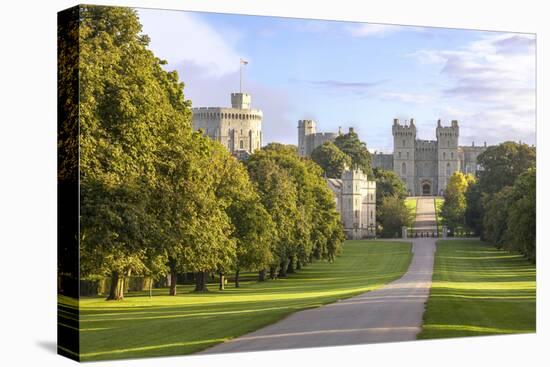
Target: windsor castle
424	165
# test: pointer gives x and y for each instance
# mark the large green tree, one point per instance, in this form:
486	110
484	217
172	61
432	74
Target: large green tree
495	216
357	150
502	164
521	231
126	103
331	159
454	206
388	184
393	215
314	227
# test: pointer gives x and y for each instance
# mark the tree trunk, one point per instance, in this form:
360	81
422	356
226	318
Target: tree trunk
298	265
222	281
116	291
173	278
261	275
282	270
290	267
272	272
200	282
237	272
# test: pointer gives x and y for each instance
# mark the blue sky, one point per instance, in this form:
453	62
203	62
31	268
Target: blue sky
354	74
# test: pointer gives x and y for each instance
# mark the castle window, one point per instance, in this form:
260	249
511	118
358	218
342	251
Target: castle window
407	154
403	142
399	154
371	214
443	155
403	168
448	169
448	143
452	155
241	144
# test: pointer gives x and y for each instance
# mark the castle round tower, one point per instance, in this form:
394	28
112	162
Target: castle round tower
238	128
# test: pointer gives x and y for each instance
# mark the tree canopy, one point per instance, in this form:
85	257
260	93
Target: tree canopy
357	150
331	159
502	164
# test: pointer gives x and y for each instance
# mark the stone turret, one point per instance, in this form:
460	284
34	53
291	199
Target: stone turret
404	137
447	153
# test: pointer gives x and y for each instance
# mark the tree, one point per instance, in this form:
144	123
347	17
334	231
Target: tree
331	159
521	231
357	150
473	215
388	184
393	215
495	216
278	195
254	231
313	228
123	119
454	207
502	164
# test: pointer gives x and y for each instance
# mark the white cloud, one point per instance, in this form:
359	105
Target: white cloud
491	86
377	30
182	37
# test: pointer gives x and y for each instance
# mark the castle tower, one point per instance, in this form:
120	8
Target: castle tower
238	128
447	153
305	128
352	200
241	101
404	139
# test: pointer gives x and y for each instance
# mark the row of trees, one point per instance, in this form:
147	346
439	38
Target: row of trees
157	197
348	151
500	205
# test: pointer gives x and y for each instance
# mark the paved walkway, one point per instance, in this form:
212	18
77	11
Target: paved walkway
425	215
389	314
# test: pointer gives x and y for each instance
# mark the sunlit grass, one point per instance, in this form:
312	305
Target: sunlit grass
479	290
141	326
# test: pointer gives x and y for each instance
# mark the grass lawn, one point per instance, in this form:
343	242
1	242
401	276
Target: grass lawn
141	326
411	204
479	290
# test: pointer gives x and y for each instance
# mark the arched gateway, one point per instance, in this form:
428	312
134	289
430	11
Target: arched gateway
426	188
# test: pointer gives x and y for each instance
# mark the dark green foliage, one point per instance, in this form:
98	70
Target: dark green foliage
393	215
495	217
357	150
501	206
301	205
521	233
473	214
502	164
331	159
388	184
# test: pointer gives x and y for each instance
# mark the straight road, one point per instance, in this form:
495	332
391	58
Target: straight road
389	314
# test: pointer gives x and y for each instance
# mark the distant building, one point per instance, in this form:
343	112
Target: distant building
309	139
355	198
426	165
238	128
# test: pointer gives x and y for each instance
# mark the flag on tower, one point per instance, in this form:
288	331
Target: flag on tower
244	62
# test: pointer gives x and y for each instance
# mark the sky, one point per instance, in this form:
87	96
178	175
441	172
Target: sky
360	75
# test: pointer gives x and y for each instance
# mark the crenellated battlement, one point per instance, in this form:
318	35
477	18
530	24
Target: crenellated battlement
404	129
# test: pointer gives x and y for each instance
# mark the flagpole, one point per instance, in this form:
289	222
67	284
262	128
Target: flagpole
240	75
